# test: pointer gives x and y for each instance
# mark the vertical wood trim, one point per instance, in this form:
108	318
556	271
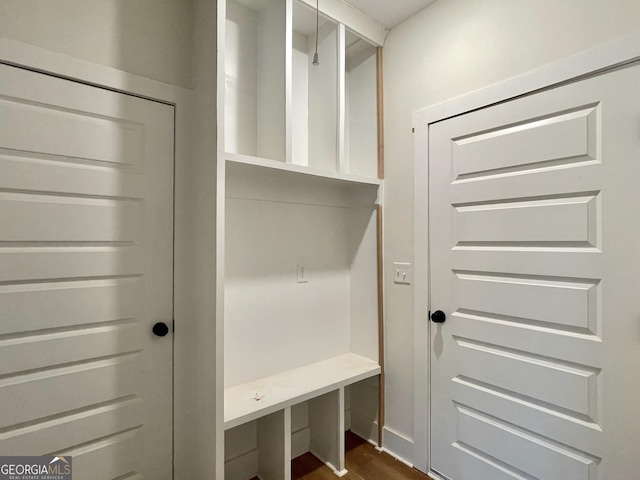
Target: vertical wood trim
288	83
380	121
380	104
343	161
381	381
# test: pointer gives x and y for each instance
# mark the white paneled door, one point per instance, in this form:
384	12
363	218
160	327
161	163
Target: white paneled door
534	261
86	228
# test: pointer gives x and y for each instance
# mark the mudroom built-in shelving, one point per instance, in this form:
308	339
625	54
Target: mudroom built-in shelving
301	239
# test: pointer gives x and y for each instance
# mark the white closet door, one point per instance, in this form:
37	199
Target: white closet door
86	228
534	261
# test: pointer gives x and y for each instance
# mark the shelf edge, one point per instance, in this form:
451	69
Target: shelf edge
298	397
290	168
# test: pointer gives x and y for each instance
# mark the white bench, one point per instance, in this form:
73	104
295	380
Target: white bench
269	401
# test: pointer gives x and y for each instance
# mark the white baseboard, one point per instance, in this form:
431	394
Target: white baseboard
393	443
398	446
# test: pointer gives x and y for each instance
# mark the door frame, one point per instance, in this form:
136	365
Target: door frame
598	59
195	396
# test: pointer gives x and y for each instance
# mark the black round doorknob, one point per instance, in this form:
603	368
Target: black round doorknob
438	316
160	329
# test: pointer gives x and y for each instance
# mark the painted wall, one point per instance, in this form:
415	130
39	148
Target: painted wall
151	38
449	49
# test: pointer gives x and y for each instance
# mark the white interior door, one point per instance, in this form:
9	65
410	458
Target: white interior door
86	228
535	229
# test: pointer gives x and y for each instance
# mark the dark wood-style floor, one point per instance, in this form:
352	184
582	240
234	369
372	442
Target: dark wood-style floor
363	462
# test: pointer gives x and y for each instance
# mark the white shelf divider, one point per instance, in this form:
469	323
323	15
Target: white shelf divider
284	169
264	396
288	82
274	446
326	421
343	165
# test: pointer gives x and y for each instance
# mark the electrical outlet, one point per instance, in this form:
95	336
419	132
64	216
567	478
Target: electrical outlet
402	273
302	274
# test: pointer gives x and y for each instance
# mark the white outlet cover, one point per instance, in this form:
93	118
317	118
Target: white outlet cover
302	273
402	273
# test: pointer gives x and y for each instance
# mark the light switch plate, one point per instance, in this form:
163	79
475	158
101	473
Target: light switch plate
402	273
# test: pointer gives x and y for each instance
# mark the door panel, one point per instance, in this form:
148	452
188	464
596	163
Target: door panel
86	253
561	139
532	247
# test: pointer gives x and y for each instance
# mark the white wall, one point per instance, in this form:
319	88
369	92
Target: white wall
273	323
452	48
151	38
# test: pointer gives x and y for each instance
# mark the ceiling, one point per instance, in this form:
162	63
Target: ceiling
389	13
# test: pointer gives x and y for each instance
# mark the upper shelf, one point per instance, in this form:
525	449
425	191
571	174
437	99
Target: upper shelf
246	164
282	105
267	395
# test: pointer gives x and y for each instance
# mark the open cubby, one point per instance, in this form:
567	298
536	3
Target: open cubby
260	448
265	447
273	323
315	90
254	80
361	126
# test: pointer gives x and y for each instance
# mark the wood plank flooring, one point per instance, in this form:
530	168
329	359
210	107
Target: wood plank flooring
363	462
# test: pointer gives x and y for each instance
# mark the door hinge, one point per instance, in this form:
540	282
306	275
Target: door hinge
173	325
